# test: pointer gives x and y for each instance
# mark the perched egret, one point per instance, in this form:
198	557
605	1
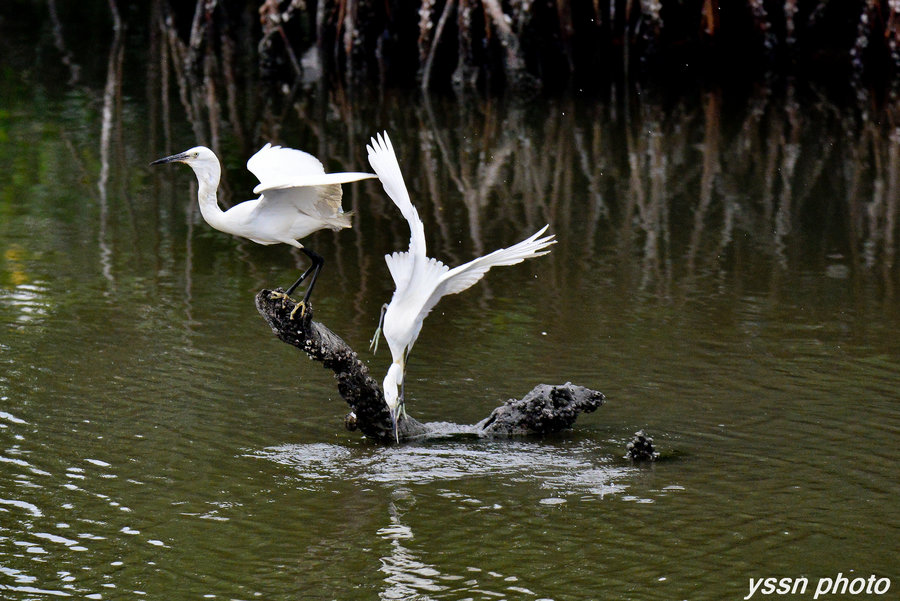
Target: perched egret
296	199
420	281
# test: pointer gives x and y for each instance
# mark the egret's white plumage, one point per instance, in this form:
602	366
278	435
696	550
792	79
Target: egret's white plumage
420	281
296	199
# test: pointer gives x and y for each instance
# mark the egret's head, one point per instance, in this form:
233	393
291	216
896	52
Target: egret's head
199	158
392	381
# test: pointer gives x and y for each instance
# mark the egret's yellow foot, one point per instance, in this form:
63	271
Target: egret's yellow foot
302	307
373	344
276	295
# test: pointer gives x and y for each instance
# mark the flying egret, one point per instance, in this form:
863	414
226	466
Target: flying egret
296	199
420	281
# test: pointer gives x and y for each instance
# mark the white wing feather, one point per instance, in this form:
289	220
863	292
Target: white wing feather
434	280
421	282
466	275
279	168
400	264
322	179
383	160
460	278
293	181
277	164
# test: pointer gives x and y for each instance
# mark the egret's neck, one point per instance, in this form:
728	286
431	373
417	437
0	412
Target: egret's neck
208	180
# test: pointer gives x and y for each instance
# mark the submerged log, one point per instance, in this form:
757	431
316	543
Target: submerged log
544	410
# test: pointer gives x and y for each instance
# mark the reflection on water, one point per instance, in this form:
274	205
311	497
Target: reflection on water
23	300
409	578
578	471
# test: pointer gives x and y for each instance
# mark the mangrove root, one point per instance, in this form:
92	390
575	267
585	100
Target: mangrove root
544	410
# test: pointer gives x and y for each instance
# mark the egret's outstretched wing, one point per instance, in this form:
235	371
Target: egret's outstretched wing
324	179
292	182
384	162
280	168
460	278
276	163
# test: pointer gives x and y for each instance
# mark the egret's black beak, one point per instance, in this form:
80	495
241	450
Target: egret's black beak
180	157
394	418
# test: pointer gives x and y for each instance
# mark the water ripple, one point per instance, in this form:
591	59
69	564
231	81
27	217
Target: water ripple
10	417
33	590
30	508
563	470
28	302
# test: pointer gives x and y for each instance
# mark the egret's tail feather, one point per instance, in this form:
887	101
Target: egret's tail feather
328	207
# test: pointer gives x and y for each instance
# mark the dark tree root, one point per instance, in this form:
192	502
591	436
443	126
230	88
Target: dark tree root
544	410
641	448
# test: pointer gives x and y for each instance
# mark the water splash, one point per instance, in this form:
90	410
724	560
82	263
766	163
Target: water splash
562	469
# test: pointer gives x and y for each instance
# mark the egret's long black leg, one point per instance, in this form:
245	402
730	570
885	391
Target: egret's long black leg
318	261
403	384
300	280
314	269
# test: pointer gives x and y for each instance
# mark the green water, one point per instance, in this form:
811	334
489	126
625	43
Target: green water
726	274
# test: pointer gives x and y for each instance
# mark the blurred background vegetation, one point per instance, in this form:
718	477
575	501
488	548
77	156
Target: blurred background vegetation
545	45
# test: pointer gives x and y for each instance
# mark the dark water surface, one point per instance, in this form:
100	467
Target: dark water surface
726	273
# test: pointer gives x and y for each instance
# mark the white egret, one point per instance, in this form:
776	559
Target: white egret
420	281
296	199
